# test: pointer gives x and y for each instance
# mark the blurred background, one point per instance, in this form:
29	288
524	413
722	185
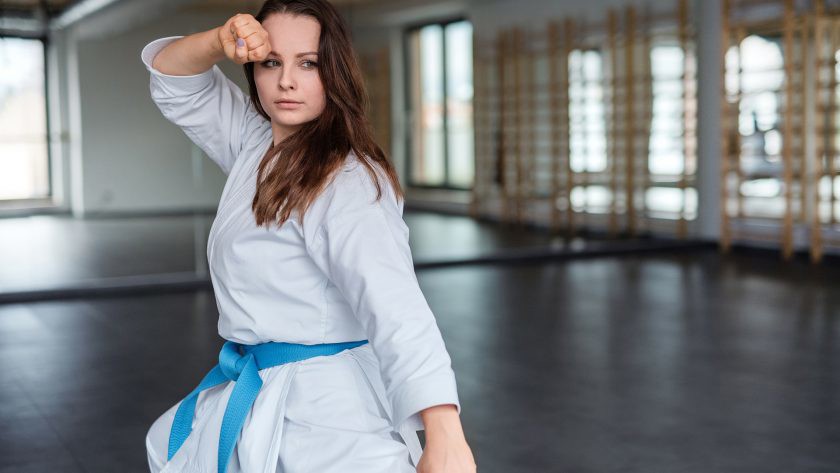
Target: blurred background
624	215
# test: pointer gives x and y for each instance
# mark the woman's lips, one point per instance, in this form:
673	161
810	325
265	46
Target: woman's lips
287	104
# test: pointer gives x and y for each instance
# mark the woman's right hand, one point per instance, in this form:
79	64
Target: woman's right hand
253	39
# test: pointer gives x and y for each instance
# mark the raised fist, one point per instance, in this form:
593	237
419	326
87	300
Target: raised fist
243	39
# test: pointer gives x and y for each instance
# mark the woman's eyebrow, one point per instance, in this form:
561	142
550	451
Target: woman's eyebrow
296	55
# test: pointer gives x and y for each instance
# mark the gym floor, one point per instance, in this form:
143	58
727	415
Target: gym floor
663	360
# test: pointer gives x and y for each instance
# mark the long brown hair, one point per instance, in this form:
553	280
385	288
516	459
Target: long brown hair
318	148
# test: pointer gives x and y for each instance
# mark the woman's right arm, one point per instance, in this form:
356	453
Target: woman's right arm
192	92
198	52
190	55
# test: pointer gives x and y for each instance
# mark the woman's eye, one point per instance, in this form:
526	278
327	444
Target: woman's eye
309	64
268	63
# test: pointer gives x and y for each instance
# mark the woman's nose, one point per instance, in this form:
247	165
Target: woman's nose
286	79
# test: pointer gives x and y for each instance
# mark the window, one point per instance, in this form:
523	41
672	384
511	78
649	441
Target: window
671	151
439	98
588	131
754	81
828	188
24	163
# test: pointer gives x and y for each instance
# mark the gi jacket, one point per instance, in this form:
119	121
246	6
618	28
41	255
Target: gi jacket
345	274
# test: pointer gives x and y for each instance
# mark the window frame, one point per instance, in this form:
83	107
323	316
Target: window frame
408	109
49	195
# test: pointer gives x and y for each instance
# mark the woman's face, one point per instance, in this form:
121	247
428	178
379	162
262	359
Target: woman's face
288	82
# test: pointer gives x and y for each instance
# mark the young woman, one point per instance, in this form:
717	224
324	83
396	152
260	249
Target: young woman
333	359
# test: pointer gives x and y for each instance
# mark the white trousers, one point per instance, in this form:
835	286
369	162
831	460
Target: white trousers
327	414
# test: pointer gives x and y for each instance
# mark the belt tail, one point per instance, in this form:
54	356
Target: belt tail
182	424
410	438
415	450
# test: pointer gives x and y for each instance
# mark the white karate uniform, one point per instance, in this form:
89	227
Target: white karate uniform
344	274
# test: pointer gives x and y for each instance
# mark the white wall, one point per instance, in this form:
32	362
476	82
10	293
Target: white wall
123	156
58	116
128	157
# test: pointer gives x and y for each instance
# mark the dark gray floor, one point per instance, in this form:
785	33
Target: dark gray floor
672	362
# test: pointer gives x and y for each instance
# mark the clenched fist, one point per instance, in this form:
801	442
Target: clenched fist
243	39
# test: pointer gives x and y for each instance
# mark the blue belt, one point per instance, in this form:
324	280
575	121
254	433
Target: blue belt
242	368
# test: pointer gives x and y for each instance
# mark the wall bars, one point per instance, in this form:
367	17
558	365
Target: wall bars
584	126
779	123
825	181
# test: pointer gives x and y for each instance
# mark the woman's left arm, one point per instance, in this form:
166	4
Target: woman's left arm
361	244
446	448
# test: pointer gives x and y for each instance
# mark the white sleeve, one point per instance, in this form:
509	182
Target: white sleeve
362	246
210	108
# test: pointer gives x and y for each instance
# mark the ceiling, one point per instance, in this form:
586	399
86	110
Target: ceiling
35	17
257	3
52	8
30	8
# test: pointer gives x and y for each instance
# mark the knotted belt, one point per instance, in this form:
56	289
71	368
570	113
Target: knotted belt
240	363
